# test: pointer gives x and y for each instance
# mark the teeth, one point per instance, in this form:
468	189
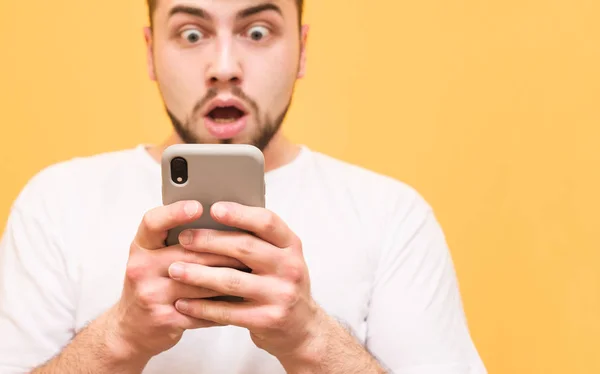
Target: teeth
224	120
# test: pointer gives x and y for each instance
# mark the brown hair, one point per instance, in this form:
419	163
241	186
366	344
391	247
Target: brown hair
152	7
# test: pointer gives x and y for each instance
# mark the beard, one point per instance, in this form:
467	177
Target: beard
267	127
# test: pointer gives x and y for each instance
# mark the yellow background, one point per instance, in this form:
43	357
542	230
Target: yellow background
489	108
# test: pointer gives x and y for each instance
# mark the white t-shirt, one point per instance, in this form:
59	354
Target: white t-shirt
377	258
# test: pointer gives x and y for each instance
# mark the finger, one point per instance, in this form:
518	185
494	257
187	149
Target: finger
186	291
156	223
223	280
165	291
256	253
162	259
244	315
186	322
262	222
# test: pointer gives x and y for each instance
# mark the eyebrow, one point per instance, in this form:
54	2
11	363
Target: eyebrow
258	9
190	10
245	13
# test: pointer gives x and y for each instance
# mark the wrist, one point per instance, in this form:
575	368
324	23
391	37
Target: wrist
118	343
329	348
308	356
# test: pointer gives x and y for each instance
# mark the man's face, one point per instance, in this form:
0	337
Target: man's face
226	69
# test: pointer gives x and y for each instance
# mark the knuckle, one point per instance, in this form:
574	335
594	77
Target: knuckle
147	295
207	236
225	316
295	272
232	282
288	295
161	316
149	221
135	270
275	317
246	246
296	275
270	223
192	257
133	273
154	219
200	310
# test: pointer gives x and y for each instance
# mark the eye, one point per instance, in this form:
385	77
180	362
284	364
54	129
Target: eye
258	33
192	35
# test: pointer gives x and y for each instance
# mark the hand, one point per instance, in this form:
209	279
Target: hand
278	309
145	318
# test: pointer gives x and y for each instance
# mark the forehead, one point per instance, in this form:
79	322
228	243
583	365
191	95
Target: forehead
223	8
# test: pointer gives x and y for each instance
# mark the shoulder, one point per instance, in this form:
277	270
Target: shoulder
389	214
372	191
54	185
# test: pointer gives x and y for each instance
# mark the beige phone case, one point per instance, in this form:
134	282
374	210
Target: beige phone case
216	172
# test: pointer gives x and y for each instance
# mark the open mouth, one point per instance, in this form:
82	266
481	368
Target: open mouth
225	115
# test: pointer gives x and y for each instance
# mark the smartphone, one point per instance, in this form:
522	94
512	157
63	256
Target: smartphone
211	173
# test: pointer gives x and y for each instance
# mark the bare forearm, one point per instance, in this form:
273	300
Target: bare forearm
96	350
333	351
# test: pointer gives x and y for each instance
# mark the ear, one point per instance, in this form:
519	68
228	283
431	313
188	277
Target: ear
149	52
303	42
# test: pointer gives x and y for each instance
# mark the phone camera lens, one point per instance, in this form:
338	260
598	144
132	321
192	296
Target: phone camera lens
179	170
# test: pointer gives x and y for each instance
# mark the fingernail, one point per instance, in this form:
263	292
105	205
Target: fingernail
182	305
186	237
219	210
191	208
176	270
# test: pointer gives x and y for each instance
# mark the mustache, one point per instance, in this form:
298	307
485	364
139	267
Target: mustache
235	91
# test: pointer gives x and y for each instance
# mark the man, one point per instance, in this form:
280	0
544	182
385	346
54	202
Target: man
351	273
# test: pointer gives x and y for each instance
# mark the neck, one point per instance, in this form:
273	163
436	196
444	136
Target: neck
278	153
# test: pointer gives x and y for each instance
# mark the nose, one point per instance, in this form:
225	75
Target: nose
225	68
